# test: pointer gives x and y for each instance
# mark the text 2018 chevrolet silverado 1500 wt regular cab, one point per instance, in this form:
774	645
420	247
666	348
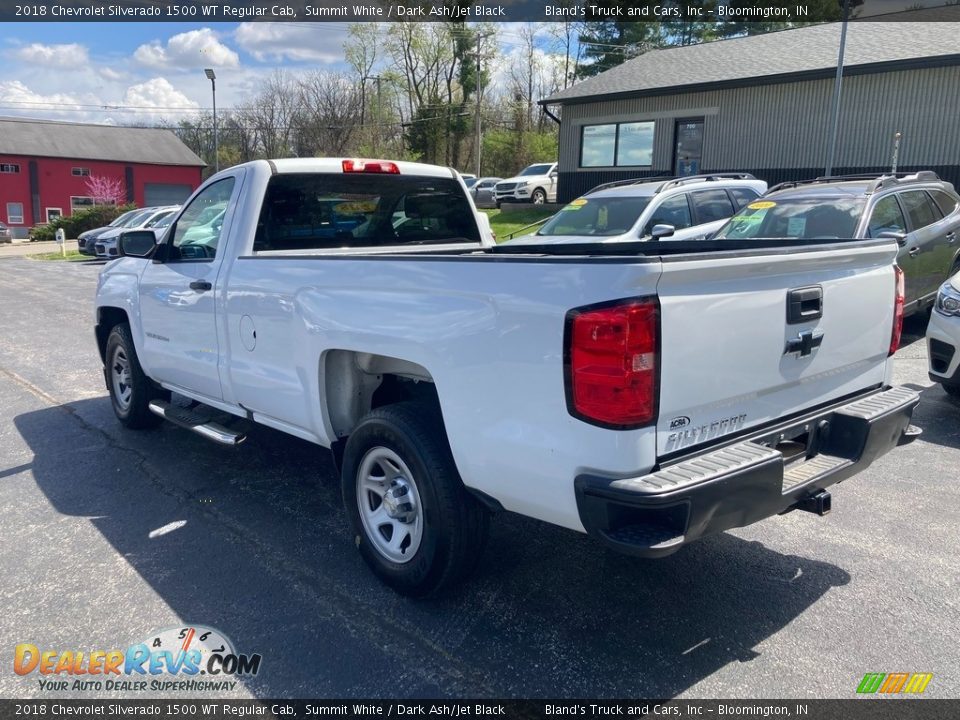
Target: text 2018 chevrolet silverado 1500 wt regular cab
648	393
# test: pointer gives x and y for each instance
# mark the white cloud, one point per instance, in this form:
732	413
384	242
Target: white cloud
316	42
59	56
157	93
193	49
26	102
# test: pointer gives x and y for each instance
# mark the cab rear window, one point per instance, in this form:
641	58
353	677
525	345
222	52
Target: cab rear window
318	212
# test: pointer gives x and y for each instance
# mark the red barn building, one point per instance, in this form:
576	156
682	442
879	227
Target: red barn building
45	168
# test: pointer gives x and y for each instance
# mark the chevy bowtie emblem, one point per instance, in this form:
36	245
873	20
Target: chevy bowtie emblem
804	344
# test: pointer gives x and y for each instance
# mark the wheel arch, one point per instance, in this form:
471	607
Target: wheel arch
108	317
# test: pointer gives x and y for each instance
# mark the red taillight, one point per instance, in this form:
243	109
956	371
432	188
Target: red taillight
898	302
613	355
371	166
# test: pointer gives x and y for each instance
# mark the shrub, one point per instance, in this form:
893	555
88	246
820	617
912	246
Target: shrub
80	221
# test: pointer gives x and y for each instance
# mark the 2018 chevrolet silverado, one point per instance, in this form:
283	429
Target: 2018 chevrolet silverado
646	393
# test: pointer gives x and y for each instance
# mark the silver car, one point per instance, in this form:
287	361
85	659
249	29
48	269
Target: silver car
684	208
6	236
482	192
918	210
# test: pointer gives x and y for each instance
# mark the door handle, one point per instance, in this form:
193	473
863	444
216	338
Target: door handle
201	285
951	237
913	252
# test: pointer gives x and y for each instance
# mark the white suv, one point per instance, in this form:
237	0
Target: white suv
684	208
536	184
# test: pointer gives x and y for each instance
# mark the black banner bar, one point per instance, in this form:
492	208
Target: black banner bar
893	708
738	11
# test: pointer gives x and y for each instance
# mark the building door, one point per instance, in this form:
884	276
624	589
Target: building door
689	150
160	194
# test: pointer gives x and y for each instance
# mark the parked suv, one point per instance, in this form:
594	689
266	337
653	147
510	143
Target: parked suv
106	244
919	210
535	184
685	208
943	336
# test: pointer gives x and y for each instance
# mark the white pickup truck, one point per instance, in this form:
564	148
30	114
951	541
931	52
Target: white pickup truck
647	393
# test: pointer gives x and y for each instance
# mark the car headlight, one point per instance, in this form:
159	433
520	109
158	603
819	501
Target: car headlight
522	185
948	300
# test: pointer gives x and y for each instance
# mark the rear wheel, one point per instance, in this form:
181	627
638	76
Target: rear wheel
416	525
130	389
539	196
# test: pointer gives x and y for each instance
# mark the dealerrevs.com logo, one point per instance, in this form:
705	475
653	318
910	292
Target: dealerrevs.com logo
894	683
192	659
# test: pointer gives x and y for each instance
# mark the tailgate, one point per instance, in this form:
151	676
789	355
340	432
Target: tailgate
735	356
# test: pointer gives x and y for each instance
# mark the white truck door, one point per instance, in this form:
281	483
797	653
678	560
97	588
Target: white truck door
178	294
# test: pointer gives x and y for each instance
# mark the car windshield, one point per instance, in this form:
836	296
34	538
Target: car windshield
535	170
121	220
138	219
596	216
469	182
813	218
165	221
157	218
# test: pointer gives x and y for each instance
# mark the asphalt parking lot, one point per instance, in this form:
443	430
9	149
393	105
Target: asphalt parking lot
796	606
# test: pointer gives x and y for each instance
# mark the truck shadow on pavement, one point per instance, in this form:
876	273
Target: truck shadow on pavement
265	557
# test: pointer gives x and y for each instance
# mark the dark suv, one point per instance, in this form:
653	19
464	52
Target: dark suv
919	210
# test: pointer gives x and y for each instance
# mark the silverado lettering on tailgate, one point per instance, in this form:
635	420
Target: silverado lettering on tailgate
702	433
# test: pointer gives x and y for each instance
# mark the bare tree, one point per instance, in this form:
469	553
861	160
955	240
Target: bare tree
329	114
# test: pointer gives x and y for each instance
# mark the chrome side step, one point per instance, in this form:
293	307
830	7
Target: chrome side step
190	420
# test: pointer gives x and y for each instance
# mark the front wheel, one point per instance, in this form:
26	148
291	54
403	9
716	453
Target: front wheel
130	389
539	196
952	390
416	526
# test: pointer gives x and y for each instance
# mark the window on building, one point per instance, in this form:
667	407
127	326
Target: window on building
617	145
15	213
919	208
80	172
711	205
598	146
9	168
80	203
53	214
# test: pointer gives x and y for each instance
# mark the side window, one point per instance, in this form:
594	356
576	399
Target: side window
886	217
196	233
945	201
919	208
672	211
711	205
743	196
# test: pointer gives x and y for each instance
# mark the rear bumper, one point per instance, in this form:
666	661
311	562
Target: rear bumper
738	484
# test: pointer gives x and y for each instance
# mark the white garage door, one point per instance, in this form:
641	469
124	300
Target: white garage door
165	194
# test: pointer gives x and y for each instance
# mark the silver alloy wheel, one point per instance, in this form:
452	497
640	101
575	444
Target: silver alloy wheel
539	197
120	378
389	505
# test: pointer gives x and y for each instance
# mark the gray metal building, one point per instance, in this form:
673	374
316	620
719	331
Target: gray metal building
764	104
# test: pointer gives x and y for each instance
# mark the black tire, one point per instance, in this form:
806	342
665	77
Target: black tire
454	525
953	391
132	411
539	196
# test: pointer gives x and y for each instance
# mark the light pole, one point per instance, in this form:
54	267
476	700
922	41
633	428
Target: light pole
212	77
831	158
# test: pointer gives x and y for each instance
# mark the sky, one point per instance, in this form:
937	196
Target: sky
139	72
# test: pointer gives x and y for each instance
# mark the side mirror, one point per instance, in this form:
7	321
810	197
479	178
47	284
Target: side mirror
662	231
900	237
553	175
137	243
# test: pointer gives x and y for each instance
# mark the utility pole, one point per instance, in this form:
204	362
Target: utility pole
480	38
377	120
831	158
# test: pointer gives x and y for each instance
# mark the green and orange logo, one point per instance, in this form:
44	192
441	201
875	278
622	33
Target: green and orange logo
893	683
